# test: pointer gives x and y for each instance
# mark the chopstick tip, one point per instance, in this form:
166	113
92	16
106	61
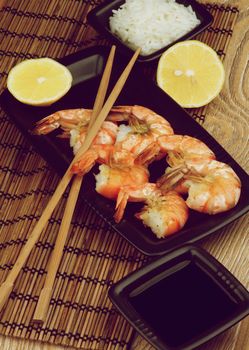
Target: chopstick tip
137	52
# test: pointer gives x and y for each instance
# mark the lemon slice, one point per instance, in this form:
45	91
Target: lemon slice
39	82
191	73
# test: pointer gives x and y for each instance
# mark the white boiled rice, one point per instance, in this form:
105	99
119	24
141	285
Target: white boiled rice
152	24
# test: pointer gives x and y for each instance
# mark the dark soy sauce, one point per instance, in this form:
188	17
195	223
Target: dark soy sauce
183	304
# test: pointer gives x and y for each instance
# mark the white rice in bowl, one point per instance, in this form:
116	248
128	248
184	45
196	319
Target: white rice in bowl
152	24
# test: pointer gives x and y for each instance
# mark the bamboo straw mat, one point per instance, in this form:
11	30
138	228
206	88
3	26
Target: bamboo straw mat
80	313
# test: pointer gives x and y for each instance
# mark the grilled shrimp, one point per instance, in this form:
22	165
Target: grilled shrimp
212	186
136	143
164	213
181	148
74	123
67	119
106	136
123	169
143	128
110	180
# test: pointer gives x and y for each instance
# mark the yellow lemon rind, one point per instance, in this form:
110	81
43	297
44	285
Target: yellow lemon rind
47	100
219	85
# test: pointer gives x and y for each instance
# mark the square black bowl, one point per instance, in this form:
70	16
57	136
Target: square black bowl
181	300
99	20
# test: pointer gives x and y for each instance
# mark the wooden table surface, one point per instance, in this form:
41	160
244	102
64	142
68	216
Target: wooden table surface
228	121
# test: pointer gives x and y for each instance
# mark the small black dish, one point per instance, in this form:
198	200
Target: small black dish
181	300
99	20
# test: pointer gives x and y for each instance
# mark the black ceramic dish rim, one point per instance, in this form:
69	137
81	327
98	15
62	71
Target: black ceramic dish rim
149	248
121	303
202	13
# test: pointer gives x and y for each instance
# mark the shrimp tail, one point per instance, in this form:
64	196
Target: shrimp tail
175	158
171	179
65	119
85	163
121	203
119	113
151	153
46	125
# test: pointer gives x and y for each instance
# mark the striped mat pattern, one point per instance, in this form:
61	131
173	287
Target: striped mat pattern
80	313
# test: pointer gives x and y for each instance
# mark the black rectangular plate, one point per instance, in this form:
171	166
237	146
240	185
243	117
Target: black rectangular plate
99	19
86	67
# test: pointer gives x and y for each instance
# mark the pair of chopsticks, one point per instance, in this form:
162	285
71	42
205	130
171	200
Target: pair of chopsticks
46	292
100	112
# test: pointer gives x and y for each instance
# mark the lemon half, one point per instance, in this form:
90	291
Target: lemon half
191	73
39	82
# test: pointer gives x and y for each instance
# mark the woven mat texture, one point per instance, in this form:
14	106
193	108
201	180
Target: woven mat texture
80	313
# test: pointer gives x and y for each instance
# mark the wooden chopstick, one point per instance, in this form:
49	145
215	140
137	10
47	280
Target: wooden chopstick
54	262
7	286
